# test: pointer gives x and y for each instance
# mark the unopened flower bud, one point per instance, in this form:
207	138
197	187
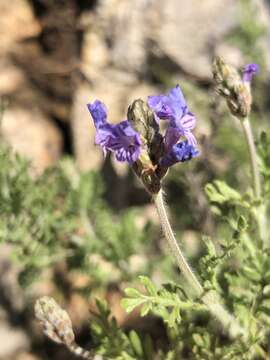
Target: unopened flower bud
143	121
57	326
142	118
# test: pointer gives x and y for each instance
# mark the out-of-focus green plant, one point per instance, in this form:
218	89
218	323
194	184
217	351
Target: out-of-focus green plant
112	342
248	34
61	215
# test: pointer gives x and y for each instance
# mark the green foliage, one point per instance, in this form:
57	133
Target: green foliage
250	31
61	215
167	302
221	193
263	152
110	340
236	267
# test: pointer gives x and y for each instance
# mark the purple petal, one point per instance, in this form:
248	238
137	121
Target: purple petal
121	139
129	143
129	154
160	104
169	106
98	112
180	152
249	71
188	121
183	126
105	135
173	107
177	100
190	138
180	127
172	136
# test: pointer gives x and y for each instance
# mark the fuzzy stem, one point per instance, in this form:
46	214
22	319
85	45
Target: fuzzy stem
82	353
261	352
261	216
210	299
169	235
252	156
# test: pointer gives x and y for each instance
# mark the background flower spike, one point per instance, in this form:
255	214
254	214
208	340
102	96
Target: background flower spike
233	87
57	326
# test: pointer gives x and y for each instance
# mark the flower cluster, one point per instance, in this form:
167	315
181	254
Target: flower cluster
125	142
121	138
139	141
181	122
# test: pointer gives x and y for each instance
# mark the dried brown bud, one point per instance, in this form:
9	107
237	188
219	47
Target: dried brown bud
240	101
55	321
58	327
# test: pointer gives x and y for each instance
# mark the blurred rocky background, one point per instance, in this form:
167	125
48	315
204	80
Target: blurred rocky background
55	56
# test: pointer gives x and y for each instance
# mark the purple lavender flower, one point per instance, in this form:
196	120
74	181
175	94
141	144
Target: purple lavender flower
173	107
180	152
169	106
119	138
249	71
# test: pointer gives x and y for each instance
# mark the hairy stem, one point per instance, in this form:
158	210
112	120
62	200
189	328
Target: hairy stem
210	299
169	235
261	352
82	353
252	156
261	215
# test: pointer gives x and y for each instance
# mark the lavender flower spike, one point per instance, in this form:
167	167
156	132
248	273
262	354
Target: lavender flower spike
120	138
249	71
173	107
180	152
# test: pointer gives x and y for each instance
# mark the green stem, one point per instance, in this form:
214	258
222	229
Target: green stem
252	156
210	299
169	235
261	352
256	180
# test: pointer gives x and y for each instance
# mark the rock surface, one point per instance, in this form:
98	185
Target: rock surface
17	23
187	32
30	133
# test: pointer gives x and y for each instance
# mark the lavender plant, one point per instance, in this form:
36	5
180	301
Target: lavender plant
232	285
139	142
